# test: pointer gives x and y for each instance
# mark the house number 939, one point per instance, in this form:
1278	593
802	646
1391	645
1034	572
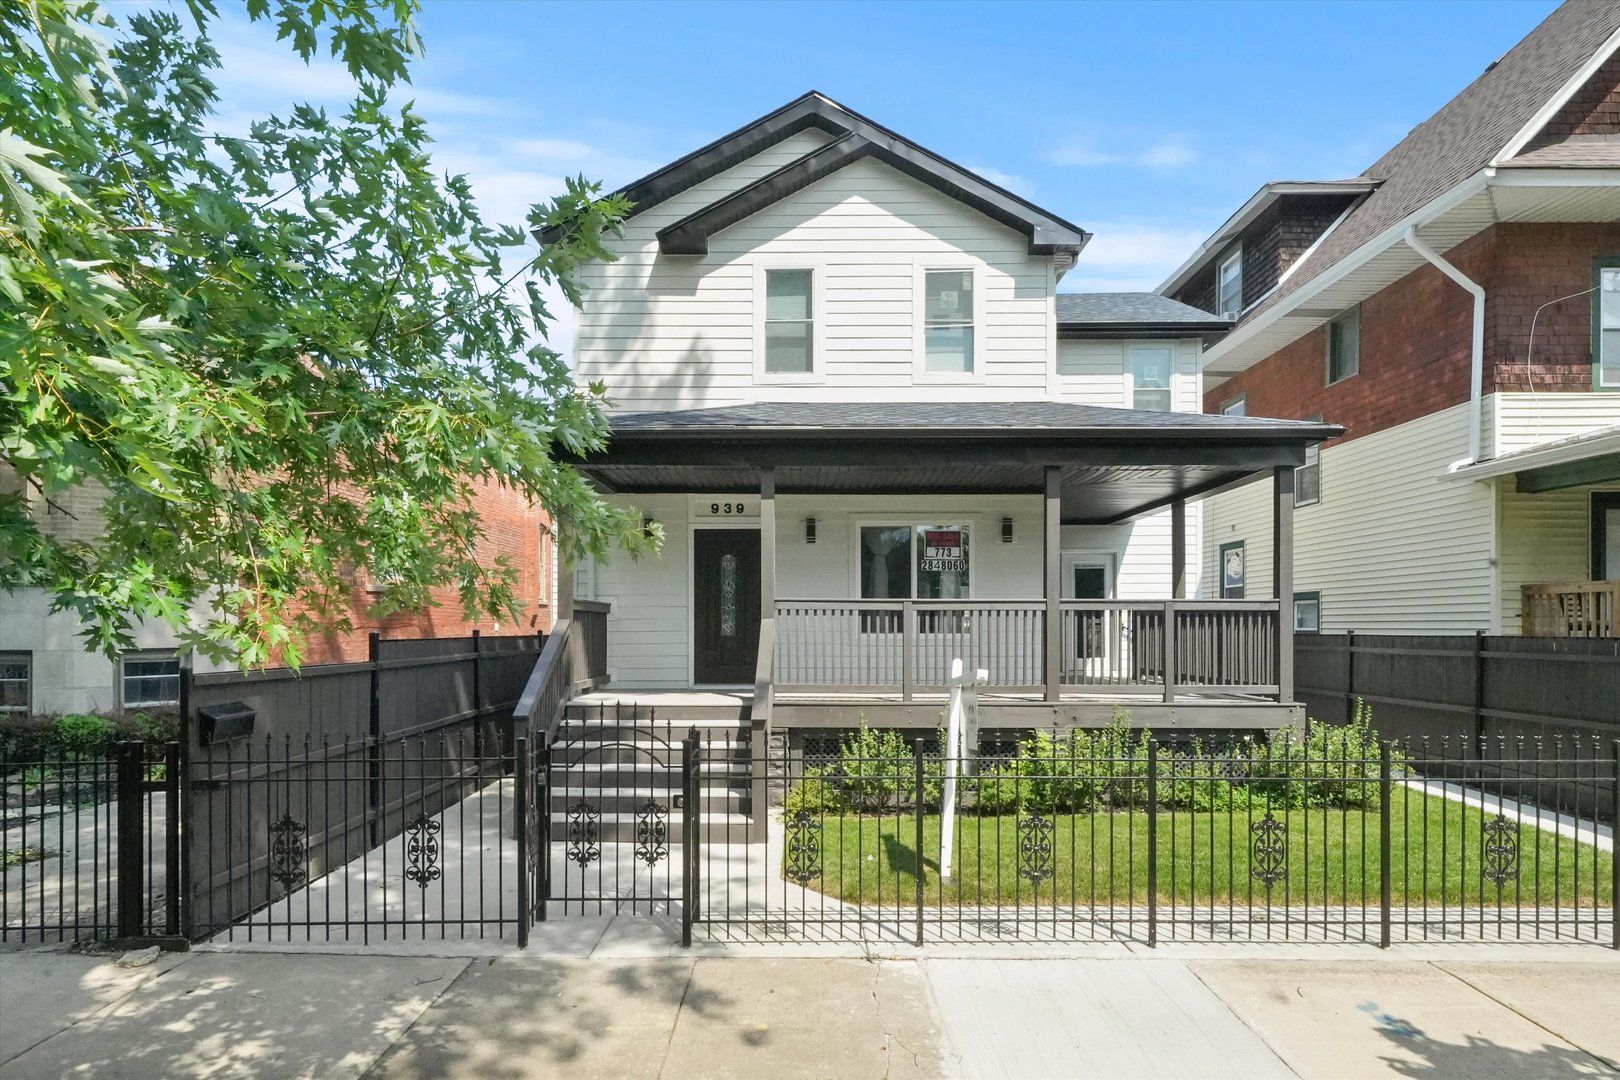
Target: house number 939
727	508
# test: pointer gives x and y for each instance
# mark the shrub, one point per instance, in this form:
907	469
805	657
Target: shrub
816	793
84	735
874	768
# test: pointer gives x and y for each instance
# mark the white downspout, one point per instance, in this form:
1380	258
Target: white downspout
1476	375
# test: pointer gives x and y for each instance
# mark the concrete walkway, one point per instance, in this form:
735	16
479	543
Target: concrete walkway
620	1004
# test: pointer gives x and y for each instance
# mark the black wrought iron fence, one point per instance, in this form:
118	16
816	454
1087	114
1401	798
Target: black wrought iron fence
1121	836
89	844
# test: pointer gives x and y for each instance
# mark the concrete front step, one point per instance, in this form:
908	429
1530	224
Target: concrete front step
614	828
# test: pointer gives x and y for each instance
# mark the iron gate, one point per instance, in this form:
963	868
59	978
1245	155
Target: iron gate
613	810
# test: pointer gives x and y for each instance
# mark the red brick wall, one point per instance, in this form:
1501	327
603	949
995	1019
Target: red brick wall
513	528
1416	333
1593	110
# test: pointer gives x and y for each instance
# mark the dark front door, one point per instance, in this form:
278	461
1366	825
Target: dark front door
725	608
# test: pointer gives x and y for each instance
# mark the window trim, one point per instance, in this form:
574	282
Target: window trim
1242	398
1597	532
1220	570
145	656
971	522
1130	372
817	372
1314	595
1327	362
1313	448
1233	255
1600	264
919	293
26	658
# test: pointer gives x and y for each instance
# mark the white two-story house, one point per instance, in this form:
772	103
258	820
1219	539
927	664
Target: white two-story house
879	439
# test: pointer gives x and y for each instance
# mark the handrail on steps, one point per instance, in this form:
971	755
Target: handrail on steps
764	675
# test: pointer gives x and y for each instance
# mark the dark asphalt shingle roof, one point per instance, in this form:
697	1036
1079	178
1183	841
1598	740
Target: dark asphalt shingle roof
1097	309
1011	417
1467	132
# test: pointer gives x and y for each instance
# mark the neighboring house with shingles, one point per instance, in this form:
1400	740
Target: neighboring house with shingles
878	438
1456	307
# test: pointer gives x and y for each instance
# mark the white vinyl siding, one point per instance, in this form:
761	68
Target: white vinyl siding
677	332
1518	421
1397	549
1545	538
1098	372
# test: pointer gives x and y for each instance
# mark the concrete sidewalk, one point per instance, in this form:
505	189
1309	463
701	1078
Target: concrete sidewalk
1315	1011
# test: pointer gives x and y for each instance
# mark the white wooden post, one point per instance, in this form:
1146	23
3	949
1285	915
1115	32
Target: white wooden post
961	724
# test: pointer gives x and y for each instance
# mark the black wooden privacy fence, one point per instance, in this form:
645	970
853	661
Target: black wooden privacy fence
1120	837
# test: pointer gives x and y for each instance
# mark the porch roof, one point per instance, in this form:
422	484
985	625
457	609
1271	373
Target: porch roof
1115	464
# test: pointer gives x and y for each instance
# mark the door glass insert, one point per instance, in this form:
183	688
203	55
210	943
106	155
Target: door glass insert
728	596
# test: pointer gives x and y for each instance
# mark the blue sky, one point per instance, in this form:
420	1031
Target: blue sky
1145	123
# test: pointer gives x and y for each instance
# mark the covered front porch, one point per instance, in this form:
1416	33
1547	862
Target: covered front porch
825	565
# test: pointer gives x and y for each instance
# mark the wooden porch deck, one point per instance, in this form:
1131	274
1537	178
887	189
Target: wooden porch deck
1003	709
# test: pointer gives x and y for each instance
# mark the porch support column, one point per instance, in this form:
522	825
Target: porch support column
1282	558
1053	590
566	570
1178	550
767	543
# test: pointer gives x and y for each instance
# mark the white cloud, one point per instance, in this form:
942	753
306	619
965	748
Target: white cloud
1011	181
1170	154
1131	258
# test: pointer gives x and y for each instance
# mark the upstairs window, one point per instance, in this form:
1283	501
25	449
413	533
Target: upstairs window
1229	285
948	321
1344	346
789	325
1606	327
1150	378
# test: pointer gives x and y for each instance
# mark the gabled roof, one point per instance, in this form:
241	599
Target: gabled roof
1133	314
855	137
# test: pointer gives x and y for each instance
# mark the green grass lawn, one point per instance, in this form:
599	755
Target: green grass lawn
1332	856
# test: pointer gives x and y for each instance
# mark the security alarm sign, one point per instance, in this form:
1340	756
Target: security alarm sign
943	550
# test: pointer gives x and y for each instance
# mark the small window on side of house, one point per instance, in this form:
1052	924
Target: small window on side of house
16	682
1238	406
1606	326
1229	285
790	337
1151	367
1308	477
150	682
948	322
1344	346
1232	570
1308	613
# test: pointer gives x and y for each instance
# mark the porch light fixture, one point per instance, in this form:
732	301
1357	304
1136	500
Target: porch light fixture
1006	530
809	530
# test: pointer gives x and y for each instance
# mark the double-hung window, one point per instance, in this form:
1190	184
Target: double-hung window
1606	326
790	333
150	682
1150	377
948	311
1308	477
1229	285
1344	346
16	670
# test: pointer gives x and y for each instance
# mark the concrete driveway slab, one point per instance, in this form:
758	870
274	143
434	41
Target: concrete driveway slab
834	1019
267	1017
1123	1019
1579	1002
1360	1019
519	1018
44	993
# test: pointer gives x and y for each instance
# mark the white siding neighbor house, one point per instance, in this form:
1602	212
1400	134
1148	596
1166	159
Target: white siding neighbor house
879	439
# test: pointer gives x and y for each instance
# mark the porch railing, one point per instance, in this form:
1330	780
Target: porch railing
1162	647
1583	609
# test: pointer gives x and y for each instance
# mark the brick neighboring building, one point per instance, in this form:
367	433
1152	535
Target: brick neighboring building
44	668
1441	505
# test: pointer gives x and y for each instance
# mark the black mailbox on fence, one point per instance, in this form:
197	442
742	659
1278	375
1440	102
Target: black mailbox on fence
227	720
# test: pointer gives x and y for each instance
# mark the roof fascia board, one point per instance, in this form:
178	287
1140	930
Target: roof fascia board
1097	331
1429	211
1245	216
1539	458
1549	109
1562	177
1047	235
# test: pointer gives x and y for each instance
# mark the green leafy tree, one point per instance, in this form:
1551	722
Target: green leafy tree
283	354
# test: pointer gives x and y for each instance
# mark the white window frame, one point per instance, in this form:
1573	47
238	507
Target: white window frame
913	522
147	657
919	292
817	372
1241	400
1349	312
1308	596
1130	371
26	659
1233	256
